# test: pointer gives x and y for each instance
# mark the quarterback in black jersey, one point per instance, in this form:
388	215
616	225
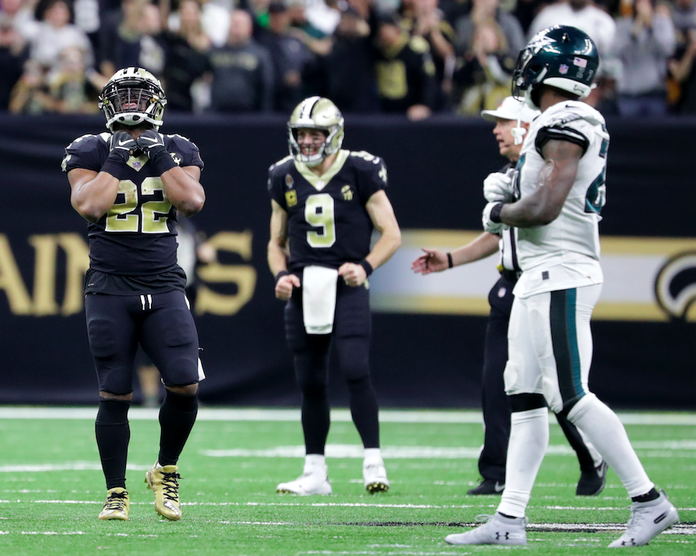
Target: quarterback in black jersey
129	184
325	204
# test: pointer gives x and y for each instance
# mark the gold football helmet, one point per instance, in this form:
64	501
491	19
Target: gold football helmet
316	113
132	96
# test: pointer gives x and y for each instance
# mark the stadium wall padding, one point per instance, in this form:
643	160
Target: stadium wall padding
419	359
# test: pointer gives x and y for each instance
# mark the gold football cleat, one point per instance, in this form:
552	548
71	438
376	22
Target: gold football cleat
163	481
117	505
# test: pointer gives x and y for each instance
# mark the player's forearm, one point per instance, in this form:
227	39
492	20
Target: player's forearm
277	258
385	247
183	191
94	198
483	246
529	213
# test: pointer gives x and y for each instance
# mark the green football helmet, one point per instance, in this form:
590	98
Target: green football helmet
132	96
316	113
561	56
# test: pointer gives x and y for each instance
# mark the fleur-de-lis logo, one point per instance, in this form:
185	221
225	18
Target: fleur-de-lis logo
675	285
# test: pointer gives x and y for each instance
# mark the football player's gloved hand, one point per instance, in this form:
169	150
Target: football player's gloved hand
120	149
152	144
491	218
122	145
497	187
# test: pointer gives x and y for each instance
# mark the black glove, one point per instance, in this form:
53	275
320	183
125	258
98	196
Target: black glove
121	148
152	144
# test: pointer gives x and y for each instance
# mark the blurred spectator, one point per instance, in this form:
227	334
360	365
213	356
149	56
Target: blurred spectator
289	55
405	70
644	42
151	42
87	18
55	34
427	21
484	10
242	71
215	19
582	14
454	9
601	28
30	95
681	70
131	39
323	15
684	19
19	15
315	39
69	88
185	55
346	73
16	26
485	76
73	87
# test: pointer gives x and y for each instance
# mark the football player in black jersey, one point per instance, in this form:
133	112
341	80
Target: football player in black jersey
129	184
325	204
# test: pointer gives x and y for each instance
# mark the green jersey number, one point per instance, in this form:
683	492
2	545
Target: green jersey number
319	213
124	217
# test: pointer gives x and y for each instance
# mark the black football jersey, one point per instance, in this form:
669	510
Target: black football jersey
137	236
328	224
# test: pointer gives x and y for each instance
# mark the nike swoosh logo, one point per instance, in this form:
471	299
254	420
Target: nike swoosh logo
498	487
122	143
151	140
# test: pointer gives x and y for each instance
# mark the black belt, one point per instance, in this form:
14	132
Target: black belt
510	275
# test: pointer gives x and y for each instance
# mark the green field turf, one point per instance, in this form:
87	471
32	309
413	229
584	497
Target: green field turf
51	488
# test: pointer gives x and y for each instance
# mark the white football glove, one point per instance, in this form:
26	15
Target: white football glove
490	226
497	187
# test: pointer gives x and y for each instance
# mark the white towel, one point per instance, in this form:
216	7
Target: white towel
319	298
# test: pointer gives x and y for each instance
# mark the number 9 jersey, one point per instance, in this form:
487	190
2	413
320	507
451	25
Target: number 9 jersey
328	224
137	236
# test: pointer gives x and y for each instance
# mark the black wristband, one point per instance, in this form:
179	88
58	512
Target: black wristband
280	275
367	266
163	162
114	165
450	263
495	213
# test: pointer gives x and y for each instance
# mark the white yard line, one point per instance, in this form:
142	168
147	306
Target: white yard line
338	415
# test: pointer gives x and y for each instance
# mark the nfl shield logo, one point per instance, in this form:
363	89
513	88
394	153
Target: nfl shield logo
563	69
137	165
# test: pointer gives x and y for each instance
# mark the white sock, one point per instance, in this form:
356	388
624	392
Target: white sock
529	438
373	456
315	461
606	432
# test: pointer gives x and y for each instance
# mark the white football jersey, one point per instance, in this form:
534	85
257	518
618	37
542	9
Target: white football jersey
565	253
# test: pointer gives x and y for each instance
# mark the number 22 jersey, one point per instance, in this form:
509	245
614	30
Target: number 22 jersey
132	248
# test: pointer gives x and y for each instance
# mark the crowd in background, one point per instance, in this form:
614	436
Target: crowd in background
414	57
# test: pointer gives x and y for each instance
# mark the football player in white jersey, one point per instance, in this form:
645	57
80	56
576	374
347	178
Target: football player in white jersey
555	203
494	402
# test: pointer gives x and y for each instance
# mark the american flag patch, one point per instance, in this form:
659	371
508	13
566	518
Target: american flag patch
580	62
